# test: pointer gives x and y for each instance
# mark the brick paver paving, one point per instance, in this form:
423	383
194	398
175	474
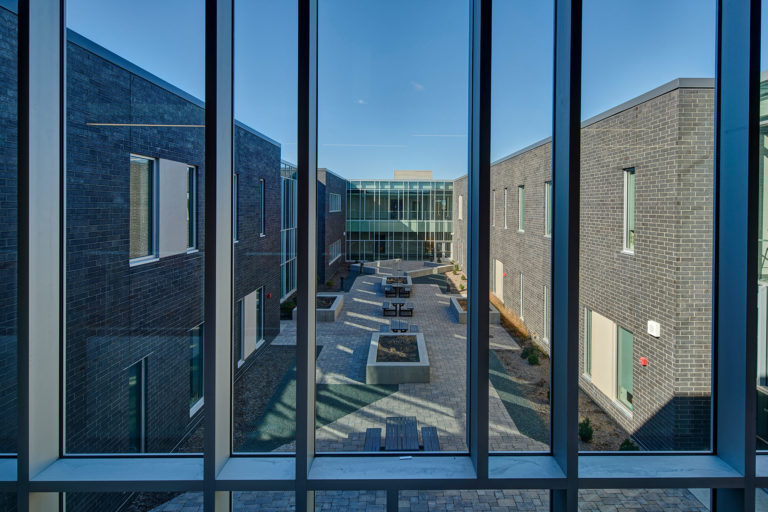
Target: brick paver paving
440	403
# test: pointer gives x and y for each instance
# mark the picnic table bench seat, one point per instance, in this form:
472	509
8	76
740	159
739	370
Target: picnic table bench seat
406	309
389	309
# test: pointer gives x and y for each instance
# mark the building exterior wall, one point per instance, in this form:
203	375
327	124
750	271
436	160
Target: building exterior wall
331	225
668	140
117	314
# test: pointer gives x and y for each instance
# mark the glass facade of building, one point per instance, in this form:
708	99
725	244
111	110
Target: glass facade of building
287	229
410	220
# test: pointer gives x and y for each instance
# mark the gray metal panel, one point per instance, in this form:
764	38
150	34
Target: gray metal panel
735	251
479	165
306	241
564	397
219	127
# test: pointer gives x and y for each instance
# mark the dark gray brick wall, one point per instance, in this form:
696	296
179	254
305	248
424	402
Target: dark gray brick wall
669	142
330	225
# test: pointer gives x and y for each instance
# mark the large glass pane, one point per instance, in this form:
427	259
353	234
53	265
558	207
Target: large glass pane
133	501
645	226
392	111
134	290
519	274
264	255
8	234
762	244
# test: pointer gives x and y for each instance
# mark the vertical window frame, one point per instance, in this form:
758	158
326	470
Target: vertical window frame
192	205
235	197
548	208
154	224
629	217
263	208
521	208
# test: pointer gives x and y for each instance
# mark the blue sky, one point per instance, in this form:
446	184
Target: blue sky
393	74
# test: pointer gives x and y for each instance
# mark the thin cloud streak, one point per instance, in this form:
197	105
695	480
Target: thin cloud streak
452	135
366	145
417	86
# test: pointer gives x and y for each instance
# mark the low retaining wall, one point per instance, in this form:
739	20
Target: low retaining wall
429	270
493	314
396	373
330	314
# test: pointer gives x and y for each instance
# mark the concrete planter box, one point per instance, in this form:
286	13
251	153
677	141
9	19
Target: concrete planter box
430	269
396	372
493	314
407	278
367	268
327	314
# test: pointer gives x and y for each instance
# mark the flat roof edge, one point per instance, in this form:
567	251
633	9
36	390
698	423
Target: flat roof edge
678	83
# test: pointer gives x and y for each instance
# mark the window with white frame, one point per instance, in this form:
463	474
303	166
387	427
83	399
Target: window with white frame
191	207
196	350
235	196
142	208
548	208
493	207
521	208
334	202
629	210
505	208
334	251
461	207
522	297
263	206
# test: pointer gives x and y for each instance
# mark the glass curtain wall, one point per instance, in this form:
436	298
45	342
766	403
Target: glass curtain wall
409	220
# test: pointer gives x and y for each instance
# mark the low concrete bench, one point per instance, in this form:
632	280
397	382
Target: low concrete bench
405	291
390	291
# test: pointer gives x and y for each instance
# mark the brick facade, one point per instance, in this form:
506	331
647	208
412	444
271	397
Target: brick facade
330	225
668	140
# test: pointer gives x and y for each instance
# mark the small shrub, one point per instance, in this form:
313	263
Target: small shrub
461	286
628	446
585	430
526	352
463	277
455	273
455	268
533	358
329	284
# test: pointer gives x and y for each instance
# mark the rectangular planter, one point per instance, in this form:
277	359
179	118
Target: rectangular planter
327	314
493	314
397	372
409	281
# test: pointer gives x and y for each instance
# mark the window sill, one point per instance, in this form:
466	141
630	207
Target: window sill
192	250
334	260
235	242
547	235
142	261
628	252
623	409
240	363
198	405
262	235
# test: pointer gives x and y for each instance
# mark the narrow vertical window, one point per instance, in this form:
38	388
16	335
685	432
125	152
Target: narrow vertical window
629	209
521	208
493	208
239	325
461	207
262	198
588	336
143	218
235	224
196	343
260	314
505	208
624	367
522	315
548	208
137	406
191	208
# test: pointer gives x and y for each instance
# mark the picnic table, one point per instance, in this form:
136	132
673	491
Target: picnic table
402	434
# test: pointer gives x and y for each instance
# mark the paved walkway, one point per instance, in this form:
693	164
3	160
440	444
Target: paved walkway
611	500
440	403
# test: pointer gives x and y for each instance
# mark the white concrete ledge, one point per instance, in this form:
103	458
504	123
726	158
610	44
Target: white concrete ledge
644	470
526	471
257	473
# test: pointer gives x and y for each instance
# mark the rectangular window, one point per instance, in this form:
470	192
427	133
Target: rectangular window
142	209
548	208
191	207
334	251
196	344
262	198
521	296
624	367
521	208
260	315
545	313
239	326
629	209
334	202
505	208
235	224
137	386
461	207
493	208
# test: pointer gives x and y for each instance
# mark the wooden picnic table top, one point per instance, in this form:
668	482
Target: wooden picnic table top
402	434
